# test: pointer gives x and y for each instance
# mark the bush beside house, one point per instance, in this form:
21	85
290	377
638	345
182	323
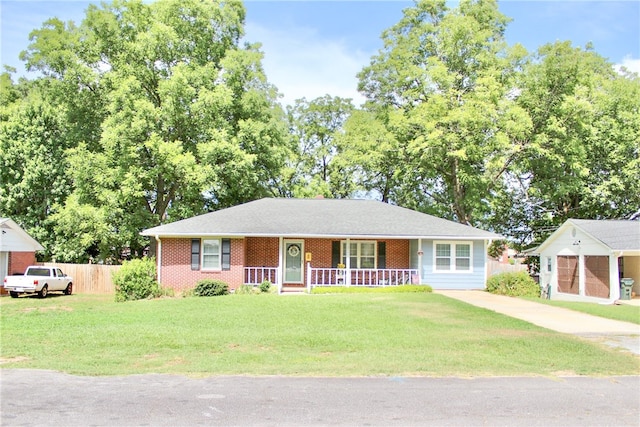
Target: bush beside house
513	284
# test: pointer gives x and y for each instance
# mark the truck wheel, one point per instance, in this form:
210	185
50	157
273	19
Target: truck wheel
69	289
43	292
13	294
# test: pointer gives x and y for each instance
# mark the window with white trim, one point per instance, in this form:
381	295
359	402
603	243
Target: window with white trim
211	254
362	254
452	257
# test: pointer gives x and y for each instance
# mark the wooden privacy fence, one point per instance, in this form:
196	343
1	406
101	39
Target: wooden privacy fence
89	278
495	267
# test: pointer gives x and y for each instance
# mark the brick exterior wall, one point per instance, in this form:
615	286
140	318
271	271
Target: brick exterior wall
262	251
19	261
398	254
176	270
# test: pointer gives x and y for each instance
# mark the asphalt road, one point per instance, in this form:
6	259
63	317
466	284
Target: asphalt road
45	398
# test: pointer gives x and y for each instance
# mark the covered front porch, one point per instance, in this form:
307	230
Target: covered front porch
304	263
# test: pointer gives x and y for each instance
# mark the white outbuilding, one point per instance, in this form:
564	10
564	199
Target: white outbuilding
591	260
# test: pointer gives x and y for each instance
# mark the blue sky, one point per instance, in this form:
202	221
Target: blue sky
313	48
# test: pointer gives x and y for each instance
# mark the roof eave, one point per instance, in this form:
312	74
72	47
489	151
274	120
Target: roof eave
318	236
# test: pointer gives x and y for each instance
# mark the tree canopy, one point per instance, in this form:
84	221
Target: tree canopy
146	113
184	120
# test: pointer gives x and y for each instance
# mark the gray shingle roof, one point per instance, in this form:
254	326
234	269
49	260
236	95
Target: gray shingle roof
616	234
319	218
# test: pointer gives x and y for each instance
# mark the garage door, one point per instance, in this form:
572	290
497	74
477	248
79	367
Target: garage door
596	280
568	274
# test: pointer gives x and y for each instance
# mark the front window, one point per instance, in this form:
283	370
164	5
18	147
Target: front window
211	254
453	257
361	254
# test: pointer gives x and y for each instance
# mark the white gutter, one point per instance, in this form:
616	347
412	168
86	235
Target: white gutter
322	236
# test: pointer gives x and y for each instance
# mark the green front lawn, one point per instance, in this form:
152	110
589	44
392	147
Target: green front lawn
323	335
624	312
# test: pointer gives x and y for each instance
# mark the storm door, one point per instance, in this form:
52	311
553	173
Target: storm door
293	261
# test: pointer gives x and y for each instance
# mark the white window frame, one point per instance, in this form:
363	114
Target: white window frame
203	253
358	255
452	257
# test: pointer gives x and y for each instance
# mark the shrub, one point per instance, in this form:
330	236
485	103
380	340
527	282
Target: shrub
265	286
244	290
136	280
514	284
210	288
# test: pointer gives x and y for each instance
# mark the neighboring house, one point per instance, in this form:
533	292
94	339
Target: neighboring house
584	260
17	249
302	243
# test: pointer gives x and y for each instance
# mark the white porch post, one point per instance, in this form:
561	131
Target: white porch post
280	273
420	254
581	276
348	263
614	276
309	277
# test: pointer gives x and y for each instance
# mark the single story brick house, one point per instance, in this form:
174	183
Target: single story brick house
17	249
585	260
302	243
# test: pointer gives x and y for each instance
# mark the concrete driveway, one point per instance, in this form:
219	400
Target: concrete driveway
611	332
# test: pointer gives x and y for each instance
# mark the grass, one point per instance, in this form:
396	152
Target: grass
312	335
623	312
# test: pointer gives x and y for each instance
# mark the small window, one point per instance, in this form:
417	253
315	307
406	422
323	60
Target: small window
453	257
549	264
211	254
195	254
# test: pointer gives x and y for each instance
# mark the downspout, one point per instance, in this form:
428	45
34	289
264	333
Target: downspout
159	260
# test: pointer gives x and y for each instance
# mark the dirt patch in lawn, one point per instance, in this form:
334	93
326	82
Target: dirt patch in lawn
46	309
16	359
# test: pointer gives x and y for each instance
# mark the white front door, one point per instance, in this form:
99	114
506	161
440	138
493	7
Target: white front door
293	261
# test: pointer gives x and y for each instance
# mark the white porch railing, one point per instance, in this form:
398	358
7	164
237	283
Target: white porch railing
257	275
361	277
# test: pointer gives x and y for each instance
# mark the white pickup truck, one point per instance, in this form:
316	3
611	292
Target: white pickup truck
40	280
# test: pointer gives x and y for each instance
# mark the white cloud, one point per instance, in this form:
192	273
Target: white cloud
630	64
301	64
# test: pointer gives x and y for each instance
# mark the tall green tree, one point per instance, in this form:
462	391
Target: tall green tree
34	173
369	159
188	123
580	158
314	126
442	85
